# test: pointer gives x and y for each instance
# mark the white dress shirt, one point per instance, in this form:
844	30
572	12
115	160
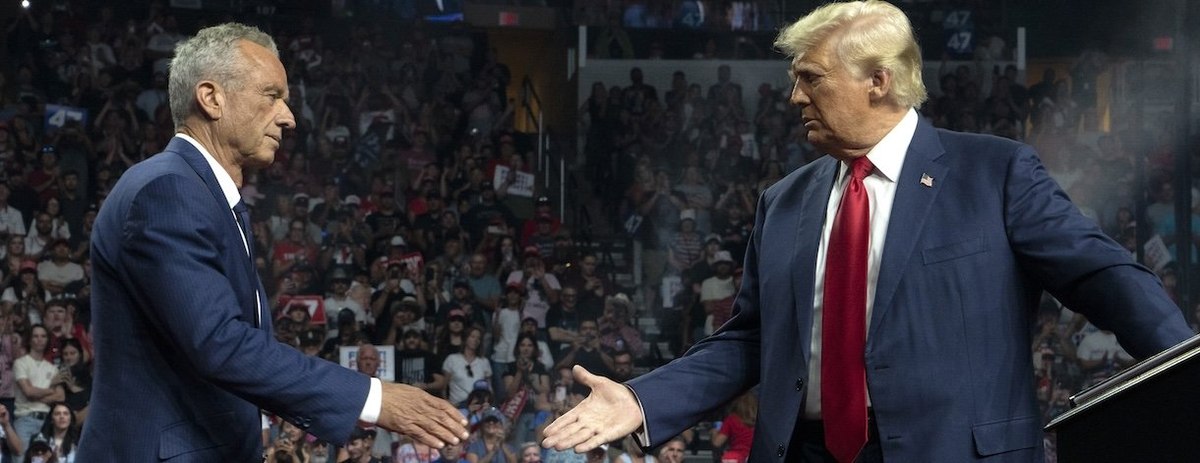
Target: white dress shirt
374	403
888	158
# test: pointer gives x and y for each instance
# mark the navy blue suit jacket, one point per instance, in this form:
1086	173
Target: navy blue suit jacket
948	359
181	368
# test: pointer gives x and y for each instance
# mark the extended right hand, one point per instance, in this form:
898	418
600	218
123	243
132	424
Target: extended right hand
421	416
610	413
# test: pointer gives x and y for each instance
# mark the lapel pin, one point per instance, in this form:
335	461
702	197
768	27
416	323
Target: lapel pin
927	180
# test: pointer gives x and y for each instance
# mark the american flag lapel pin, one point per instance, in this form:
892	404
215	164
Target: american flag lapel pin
927	180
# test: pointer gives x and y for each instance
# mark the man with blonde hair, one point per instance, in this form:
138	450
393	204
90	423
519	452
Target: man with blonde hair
888	287
185	356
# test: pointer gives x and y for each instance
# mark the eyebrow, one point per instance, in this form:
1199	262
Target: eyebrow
275	90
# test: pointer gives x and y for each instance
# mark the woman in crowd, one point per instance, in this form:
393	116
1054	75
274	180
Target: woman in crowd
736	432
289	443
479	402
525	381
466	368
506	258
61	431
75	377
452	336
490	444
26	294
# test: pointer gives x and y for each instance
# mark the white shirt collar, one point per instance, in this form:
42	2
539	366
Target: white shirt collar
232	195
888	155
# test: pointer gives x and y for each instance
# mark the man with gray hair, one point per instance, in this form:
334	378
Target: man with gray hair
185	357
888	288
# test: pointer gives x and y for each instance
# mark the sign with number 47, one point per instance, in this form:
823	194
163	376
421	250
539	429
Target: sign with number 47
58	115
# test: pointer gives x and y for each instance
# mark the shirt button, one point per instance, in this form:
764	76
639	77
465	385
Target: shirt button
779	451
799	384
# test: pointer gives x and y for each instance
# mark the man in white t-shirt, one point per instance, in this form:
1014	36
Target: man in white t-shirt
34	376
541	287
717	288
56	273
338	299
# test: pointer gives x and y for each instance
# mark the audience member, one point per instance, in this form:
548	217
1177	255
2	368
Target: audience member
736	430
465	369
35	377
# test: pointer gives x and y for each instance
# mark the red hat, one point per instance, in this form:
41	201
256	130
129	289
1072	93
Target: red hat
532	251
28	265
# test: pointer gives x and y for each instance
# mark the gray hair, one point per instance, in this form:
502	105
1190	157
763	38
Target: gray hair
212	54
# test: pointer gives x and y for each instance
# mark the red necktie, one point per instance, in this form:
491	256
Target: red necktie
844	325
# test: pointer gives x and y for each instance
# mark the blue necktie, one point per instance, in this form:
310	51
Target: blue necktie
243	218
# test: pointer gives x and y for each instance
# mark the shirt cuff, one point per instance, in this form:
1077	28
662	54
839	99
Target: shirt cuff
642	434
370	411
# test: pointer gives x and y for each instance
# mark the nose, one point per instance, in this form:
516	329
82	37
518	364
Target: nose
286	119
798	97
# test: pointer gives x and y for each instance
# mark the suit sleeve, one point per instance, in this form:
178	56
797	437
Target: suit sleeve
173	250
714	371
1073	259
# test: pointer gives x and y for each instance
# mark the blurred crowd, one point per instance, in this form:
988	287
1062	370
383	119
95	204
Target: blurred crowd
398	232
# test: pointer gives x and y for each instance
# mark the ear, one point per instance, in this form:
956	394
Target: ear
210	98
880	85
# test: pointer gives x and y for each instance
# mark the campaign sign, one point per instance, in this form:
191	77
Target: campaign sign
314	304
348	356
57	116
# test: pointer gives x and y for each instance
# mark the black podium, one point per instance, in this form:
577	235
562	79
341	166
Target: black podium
1148	412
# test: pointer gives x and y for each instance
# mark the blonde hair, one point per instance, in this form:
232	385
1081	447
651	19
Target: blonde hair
869	35
746	408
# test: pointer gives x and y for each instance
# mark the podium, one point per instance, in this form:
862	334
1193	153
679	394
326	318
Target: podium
1148	412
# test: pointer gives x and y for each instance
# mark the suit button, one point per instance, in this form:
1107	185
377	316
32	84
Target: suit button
779	451
799	384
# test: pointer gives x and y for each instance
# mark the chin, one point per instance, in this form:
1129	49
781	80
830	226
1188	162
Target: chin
261	159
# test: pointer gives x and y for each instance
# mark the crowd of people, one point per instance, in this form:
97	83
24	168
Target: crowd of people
388	242
385	236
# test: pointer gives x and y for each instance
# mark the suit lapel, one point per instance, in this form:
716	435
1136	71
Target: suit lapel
810	223
196	161
914	196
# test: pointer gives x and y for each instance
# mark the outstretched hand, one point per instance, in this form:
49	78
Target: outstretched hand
610	413
417	414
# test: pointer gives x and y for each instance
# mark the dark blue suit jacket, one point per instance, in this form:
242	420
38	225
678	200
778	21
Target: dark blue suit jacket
948	359
181	368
